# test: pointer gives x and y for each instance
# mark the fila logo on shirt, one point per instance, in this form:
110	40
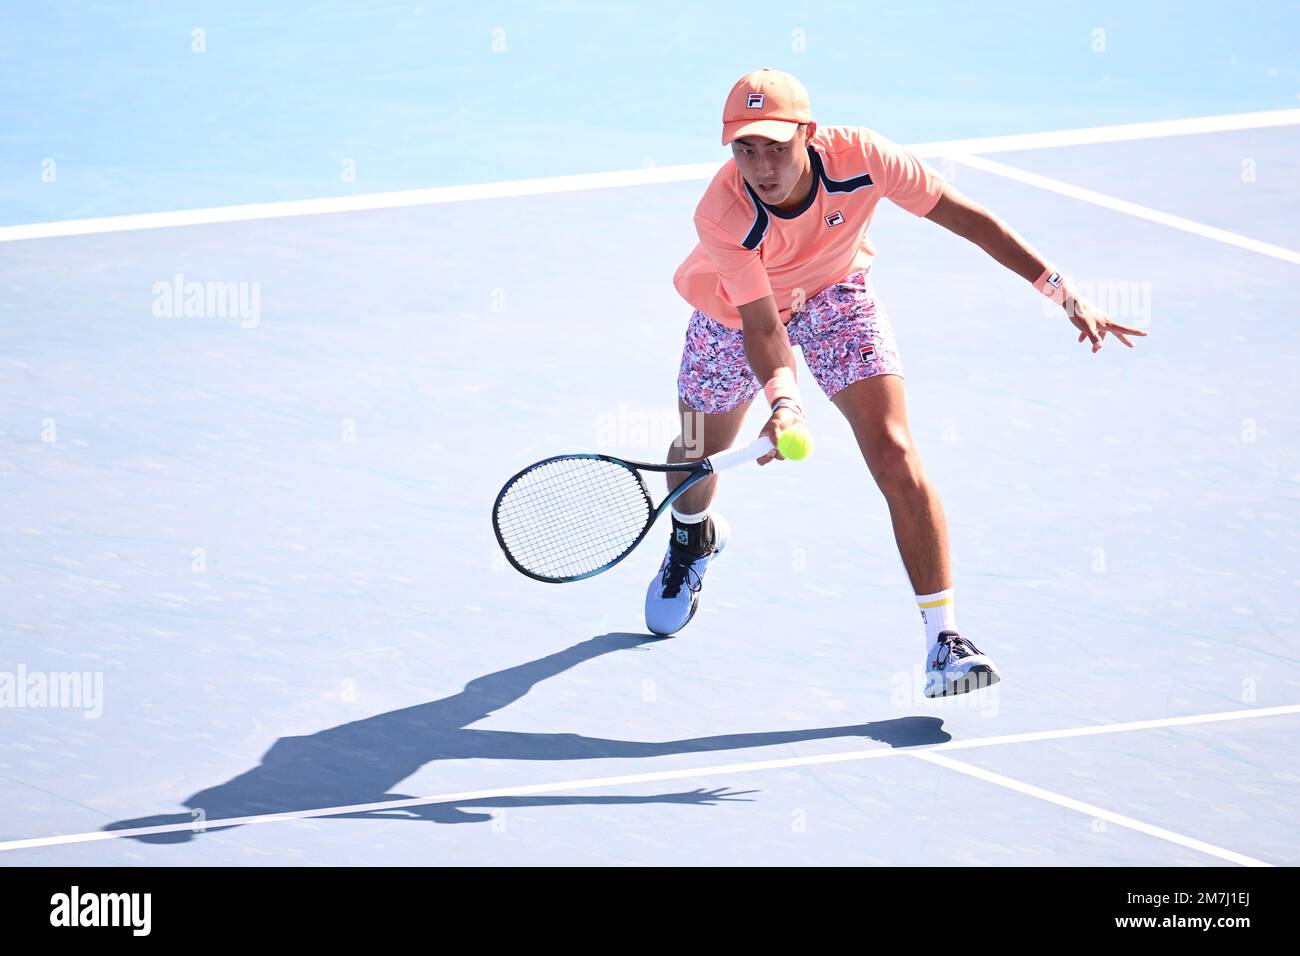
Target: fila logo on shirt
754	101
867	353
835	218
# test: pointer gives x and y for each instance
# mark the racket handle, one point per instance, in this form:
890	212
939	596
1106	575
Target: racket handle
755	450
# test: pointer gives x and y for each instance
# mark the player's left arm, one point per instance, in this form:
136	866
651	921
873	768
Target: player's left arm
970	220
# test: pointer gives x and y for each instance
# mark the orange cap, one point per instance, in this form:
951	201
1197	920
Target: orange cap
767	103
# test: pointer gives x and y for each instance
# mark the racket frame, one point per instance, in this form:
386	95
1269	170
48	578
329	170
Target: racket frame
697	471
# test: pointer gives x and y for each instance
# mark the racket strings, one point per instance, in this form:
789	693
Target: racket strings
568	517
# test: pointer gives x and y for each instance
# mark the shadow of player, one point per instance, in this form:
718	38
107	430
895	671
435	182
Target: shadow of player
360	762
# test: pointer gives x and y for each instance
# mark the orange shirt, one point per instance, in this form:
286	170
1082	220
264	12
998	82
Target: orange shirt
748	249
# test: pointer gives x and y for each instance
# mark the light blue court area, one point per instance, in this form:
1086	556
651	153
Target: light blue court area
248	568
116	108
261	536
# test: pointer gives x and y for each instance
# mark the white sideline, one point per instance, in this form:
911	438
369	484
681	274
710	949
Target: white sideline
1124	206
1123	132
653	776
1087	808
632	177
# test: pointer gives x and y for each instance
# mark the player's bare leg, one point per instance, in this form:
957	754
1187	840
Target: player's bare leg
698	536
877	413
701	435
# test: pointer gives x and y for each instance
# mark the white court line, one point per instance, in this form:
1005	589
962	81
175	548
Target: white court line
632	177
337	204
1089	809
1124	206
1123	132
636	778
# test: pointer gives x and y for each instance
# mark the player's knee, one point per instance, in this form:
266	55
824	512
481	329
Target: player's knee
689	445
895	464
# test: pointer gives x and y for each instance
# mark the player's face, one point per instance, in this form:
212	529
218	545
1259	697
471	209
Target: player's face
772	168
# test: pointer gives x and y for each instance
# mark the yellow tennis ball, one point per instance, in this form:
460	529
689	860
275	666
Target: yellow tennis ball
795	443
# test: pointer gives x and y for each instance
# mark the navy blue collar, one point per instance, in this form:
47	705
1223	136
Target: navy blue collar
818	173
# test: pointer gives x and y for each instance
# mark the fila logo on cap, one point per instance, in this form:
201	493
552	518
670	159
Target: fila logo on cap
755	101
834	219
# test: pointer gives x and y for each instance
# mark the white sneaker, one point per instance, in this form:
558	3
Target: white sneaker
955	666
674	595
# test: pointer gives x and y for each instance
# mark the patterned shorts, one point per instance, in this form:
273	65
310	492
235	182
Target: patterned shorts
843	332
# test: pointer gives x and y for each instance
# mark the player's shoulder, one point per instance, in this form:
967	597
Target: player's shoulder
726	202
838	140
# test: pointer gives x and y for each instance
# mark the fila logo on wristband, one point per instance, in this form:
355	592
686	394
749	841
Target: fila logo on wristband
1052	284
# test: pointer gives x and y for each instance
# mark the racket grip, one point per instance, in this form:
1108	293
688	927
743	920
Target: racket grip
755	450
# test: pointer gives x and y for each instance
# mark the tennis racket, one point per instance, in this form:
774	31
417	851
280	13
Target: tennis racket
573	516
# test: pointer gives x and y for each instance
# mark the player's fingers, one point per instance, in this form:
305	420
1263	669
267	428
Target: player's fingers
1125	329
1122	337
773	432
1088	330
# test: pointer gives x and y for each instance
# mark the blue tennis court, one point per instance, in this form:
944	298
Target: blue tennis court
255	611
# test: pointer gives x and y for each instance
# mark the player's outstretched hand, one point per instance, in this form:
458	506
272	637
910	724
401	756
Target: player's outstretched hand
1094	324
705	798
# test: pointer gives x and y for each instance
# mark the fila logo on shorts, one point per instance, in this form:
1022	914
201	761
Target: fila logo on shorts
754	101
834	219
867	352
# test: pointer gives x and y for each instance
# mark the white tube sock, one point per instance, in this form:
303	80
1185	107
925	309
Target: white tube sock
939	614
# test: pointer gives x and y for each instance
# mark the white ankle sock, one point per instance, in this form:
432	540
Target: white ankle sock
938	613
689	519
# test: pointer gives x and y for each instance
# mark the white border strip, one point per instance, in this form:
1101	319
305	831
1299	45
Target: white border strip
1124	206
1087	808
637	778
631	177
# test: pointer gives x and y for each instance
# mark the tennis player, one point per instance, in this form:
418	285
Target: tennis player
783	259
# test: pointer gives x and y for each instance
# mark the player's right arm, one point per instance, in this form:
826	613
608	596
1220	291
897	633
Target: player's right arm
743	277
767	347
